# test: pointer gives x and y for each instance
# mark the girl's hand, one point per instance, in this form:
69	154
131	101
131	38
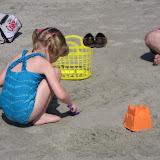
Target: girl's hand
73	108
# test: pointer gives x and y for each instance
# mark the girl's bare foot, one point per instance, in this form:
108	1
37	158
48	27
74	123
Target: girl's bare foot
46	118
156	59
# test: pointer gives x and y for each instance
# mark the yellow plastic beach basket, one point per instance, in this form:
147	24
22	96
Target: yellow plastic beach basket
77	64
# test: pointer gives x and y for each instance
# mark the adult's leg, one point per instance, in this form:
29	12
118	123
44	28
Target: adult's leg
42	100
152	41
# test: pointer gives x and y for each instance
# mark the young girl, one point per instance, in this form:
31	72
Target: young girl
29	81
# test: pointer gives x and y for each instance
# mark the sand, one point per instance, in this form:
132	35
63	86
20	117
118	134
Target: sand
122	75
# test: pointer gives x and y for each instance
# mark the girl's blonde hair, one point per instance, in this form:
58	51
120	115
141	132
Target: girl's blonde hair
53	38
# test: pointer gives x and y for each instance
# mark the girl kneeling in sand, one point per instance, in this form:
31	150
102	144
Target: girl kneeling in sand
29	81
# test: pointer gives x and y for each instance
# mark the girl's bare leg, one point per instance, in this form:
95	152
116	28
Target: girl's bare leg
43	98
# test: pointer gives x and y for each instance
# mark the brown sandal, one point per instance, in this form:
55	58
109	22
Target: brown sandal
88	40
100	40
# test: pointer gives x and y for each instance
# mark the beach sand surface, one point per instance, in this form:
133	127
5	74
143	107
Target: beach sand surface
122	74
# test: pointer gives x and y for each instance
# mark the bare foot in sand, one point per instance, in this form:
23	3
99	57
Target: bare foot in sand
156	59
46	118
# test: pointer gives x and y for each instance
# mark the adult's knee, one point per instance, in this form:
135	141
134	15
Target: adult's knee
152	41
149	38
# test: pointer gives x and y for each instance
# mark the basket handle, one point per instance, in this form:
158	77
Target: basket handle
75	36
75	46
73	43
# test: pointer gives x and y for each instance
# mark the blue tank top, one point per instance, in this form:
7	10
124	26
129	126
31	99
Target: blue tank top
19	90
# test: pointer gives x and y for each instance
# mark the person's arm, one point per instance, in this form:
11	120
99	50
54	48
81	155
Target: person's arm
60	93
3	75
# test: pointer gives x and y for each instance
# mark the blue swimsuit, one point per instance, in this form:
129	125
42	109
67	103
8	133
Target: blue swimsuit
19	91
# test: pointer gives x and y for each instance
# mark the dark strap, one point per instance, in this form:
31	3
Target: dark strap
3	20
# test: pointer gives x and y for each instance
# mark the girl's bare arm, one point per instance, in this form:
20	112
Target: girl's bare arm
48	70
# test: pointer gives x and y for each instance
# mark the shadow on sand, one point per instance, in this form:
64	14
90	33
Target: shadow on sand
149	56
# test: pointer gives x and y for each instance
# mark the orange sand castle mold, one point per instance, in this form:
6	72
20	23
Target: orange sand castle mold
138	118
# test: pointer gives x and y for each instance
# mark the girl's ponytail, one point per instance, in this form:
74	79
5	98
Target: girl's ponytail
35	36
54	46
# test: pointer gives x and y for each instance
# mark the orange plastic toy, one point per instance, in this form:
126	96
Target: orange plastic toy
138	118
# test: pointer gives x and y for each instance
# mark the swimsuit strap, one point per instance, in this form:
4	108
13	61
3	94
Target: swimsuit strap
24	58
35	54
30	56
